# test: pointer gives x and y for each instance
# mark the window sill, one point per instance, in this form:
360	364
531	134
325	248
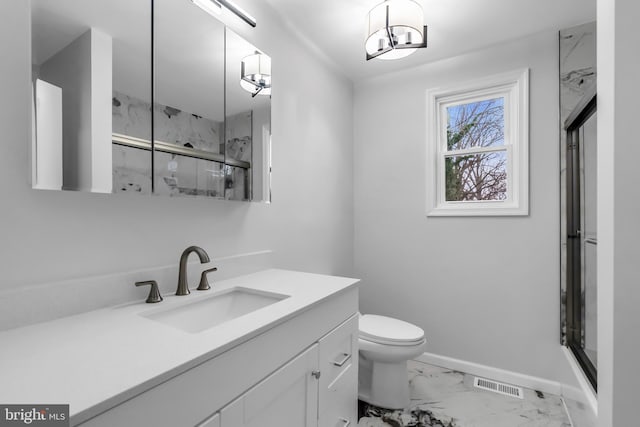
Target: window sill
478	209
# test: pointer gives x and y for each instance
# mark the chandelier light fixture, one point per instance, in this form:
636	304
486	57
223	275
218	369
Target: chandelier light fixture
255	74
395	29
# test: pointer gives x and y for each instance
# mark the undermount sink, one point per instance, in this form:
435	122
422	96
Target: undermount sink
209	312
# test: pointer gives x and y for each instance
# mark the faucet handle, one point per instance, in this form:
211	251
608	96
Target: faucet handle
204	283
154	293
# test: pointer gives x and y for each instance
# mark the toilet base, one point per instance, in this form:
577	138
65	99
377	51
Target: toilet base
385	385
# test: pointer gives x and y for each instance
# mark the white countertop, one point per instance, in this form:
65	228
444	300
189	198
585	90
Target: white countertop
95	360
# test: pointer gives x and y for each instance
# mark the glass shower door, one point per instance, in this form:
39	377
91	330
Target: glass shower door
589	240
582	239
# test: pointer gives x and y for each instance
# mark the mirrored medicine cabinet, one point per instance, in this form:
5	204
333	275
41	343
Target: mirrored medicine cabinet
147	97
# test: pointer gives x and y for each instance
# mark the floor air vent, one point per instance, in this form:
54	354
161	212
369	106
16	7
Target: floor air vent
496	387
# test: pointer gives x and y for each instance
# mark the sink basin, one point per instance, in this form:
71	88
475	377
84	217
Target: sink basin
206	313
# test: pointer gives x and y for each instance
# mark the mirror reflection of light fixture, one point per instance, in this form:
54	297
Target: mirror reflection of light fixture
395	29
214	7
255	74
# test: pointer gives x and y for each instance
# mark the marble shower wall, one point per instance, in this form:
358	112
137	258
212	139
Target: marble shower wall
238	146
131	171
577	75
176	175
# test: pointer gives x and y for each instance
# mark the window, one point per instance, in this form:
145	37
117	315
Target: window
477	157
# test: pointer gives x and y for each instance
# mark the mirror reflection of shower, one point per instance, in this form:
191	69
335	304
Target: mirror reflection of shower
93	106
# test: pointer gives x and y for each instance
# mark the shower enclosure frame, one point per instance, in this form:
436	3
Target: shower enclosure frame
575	302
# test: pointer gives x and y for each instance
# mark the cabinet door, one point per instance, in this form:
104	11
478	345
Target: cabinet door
338	394
286	398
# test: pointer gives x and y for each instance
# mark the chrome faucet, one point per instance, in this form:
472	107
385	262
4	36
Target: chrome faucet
183	286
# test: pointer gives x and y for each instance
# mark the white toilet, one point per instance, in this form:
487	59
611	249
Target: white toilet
386	344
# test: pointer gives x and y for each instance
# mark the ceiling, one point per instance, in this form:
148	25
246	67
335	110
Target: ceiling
335	28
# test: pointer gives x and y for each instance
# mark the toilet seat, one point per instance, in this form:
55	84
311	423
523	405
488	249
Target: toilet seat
389	331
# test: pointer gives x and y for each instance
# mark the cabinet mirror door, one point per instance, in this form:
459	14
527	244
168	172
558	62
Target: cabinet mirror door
91	73
247	145
188	111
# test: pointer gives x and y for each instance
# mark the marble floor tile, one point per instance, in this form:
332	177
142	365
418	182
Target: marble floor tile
581	415
445	398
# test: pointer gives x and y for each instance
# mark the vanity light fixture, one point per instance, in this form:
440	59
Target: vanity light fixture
255	74
214	7
395	29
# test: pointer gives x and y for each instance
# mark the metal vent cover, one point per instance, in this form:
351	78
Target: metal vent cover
497	387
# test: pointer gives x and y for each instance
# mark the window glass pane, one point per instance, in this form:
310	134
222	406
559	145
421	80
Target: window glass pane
476	177
475	124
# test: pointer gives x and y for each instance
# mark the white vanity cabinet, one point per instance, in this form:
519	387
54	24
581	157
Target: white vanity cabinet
301	372
287	398
318	388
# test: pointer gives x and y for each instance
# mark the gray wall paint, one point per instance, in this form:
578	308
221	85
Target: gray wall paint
485	290
49	236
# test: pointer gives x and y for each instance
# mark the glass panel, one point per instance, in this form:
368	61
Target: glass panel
476	177
590	313
588	149
189	100
239	147
475	124
236	183
92	83
188	176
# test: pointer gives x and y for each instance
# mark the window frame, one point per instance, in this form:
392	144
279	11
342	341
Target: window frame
513	87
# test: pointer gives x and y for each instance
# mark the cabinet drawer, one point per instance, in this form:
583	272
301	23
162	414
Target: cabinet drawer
338	352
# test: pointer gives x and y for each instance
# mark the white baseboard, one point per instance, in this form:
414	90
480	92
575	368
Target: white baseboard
510	377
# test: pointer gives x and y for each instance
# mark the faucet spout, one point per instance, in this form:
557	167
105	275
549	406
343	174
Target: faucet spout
183	286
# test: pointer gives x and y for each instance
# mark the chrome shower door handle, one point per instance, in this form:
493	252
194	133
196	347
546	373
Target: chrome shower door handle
346	422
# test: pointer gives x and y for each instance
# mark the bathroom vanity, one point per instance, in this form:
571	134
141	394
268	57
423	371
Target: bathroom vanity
290	362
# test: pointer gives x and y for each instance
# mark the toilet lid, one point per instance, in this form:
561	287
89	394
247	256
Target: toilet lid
386	330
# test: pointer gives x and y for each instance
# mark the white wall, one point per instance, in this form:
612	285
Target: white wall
83	70
49	236
46	151
618	213
101	112
261	122
70	69
485	290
